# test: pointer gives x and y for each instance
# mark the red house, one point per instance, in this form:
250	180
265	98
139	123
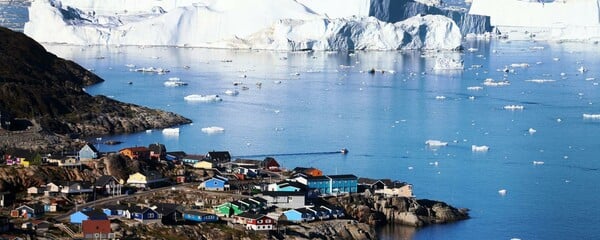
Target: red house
271	164
97	229
141	153
256	222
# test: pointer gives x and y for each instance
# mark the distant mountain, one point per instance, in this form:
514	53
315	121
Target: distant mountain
41	93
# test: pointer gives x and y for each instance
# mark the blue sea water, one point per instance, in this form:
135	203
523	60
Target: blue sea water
324	101
319	101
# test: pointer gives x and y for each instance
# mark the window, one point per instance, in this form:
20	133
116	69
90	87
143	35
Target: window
268	220
259	221
150	215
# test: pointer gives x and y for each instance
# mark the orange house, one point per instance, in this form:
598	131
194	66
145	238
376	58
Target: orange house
311	171
135	152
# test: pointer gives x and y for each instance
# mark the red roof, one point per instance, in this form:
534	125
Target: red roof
96	226
136	149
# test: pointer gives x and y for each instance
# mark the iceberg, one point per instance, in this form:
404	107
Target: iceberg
482	148
514	107
539	20
444	63
591	116
170	131
174	82
202	98
213	130
231	24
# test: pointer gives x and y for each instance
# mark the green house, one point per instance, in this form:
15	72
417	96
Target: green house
229	209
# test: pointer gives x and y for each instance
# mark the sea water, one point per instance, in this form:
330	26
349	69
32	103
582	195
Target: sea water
311	102
306	102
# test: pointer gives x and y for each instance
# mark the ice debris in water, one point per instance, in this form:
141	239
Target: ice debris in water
482	148
213	130
532	131
502	192
436	143
591	116
514	107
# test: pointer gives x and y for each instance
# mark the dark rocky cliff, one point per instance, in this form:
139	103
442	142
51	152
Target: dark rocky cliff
44	94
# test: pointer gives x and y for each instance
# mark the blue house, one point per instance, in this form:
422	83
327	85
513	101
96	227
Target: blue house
80	216
88	152
197	216
299	215
333	184
216	183
144	214
115	210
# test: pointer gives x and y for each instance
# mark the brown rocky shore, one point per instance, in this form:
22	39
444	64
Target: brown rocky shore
44	106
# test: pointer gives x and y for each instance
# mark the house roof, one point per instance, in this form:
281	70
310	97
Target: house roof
259	199
96	226
304	210
219	155
138	209
197	213
116	207
177	154
250	215
105	179
246	162
95	215
135	149
91	146
270	161
292	184
157	148
167	208
343	176
283	193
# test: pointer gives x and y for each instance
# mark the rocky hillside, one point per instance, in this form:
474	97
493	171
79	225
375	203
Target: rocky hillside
39	89
378	210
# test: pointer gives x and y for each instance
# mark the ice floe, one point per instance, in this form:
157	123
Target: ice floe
202	98
475	88
502	192
482	148
230	92
436	143
492	83
213	130
170	131
538	162
591	116
540	80
446	63
532	131
514	107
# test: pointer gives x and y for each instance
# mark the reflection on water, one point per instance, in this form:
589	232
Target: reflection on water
395	232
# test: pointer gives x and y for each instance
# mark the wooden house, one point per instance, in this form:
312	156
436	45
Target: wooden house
171	214
256	222
157	151
97	229
144	214
283	199
299	215
145	179
270	164
80	216
219	157
107	185
135	152
197	216
216	183
28	211
204	164
88	152
311	171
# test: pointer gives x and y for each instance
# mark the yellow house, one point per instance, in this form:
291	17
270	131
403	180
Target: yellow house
401	191
204	165
24	162
146	179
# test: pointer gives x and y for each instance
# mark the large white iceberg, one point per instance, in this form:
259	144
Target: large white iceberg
556	20
248	24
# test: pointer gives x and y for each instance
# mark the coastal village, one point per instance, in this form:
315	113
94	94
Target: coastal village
258	196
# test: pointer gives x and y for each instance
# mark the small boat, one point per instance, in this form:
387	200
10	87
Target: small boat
344	151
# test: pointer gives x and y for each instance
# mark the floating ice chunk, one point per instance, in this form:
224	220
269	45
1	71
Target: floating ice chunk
537	48
149	131
175	82
520	65
472	49
170	131
436	143
231	92
442	63
502	192
475	88
151	70
558	120
410	168
532	131
440	97
582	69
490	82
591	116
202	98
482	148
590	79
556	59
514	107
540	80
130	65
471	97
538	162
213	130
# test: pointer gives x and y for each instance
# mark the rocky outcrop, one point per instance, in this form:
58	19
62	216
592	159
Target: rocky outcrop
332	229
18	179
45	99
377	210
